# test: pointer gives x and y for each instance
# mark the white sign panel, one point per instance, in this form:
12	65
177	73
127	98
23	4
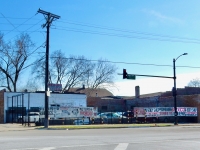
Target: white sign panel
164	111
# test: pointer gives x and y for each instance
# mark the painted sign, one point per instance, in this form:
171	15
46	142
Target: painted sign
55	87
57	111
164	111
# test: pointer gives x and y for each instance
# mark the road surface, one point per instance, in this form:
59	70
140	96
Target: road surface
151	138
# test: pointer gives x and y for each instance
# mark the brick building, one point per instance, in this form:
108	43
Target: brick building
122	105
106	102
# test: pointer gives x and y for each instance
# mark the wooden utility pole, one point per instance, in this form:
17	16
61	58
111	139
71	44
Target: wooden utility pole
49	19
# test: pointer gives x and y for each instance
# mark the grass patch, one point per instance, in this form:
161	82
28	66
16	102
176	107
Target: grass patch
104	126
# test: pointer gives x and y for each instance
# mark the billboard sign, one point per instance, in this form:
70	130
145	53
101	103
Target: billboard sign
57	111
164	111
55	87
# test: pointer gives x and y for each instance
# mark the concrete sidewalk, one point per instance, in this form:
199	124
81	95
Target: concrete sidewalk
15	127
20	127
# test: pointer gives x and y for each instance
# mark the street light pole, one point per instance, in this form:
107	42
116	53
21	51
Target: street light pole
174	90
174	94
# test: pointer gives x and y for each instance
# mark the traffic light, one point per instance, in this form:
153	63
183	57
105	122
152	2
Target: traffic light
124	74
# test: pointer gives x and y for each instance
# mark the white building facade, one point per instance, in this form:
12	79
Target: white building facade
28	101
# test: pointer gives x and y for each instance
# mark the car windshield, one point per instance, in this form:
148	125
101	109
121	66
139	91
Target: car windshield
33	114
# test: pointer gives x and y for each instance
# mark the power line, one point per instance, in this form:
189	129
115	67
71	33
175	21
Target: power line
128	31
19	18
42	45
30	28
26	24
29	64
148	35
24	31
127	36
131	63
27	19
20	24
8	21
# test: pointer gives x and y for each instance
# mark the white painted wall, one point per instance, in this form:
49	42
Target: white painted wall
38	100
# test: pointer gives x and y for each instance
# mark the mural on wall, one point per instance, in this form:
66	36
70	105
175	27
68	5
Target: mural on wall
164	111
58	111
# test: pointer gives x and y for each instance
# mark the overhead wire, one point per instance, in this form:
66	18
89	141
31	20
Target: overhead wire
125	30
126	36
148	36
26	24
42	45
143	35
29	64
8	21
131	63
17	18
27	19
20	25
31	31
26	30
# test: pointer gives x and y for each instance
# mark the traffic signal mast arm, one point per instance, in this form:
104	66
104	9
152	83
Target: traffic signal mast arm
132	76
151	76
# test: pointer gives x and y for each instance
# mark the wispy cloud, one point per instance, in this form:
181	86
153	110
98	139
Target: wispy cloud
163	18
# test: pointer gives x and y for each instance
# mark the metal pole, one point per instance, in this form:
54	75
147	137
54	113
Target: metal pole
174	94
12	109
175	91
23	120
17	109
28	109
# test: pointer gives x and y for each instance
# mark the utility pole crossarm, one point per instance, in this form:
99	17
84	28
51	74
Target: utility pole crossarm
48	13
48	16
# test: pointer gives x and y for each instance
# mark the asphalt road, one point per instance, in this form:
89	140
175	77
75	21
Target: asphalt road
149	138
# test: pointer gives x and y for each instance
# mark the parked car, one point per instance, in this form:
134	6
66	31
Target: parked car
82	121
31	117
101	115
128	114
109	115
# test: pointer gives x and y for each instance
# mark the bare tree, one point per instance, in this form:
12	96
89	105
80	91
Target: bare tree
31	85
13	56
38	69
76	71
59	66
194	83
102	74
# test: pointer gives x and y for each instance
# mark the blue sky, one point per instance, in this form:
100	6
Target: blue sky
131	31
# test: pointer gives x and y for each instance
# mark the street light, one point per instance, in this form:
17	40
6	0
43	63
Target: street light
174	90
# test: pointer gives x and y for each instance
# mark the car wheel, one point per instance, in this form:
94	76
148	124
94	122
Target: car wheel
154	120
166	120
20	120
